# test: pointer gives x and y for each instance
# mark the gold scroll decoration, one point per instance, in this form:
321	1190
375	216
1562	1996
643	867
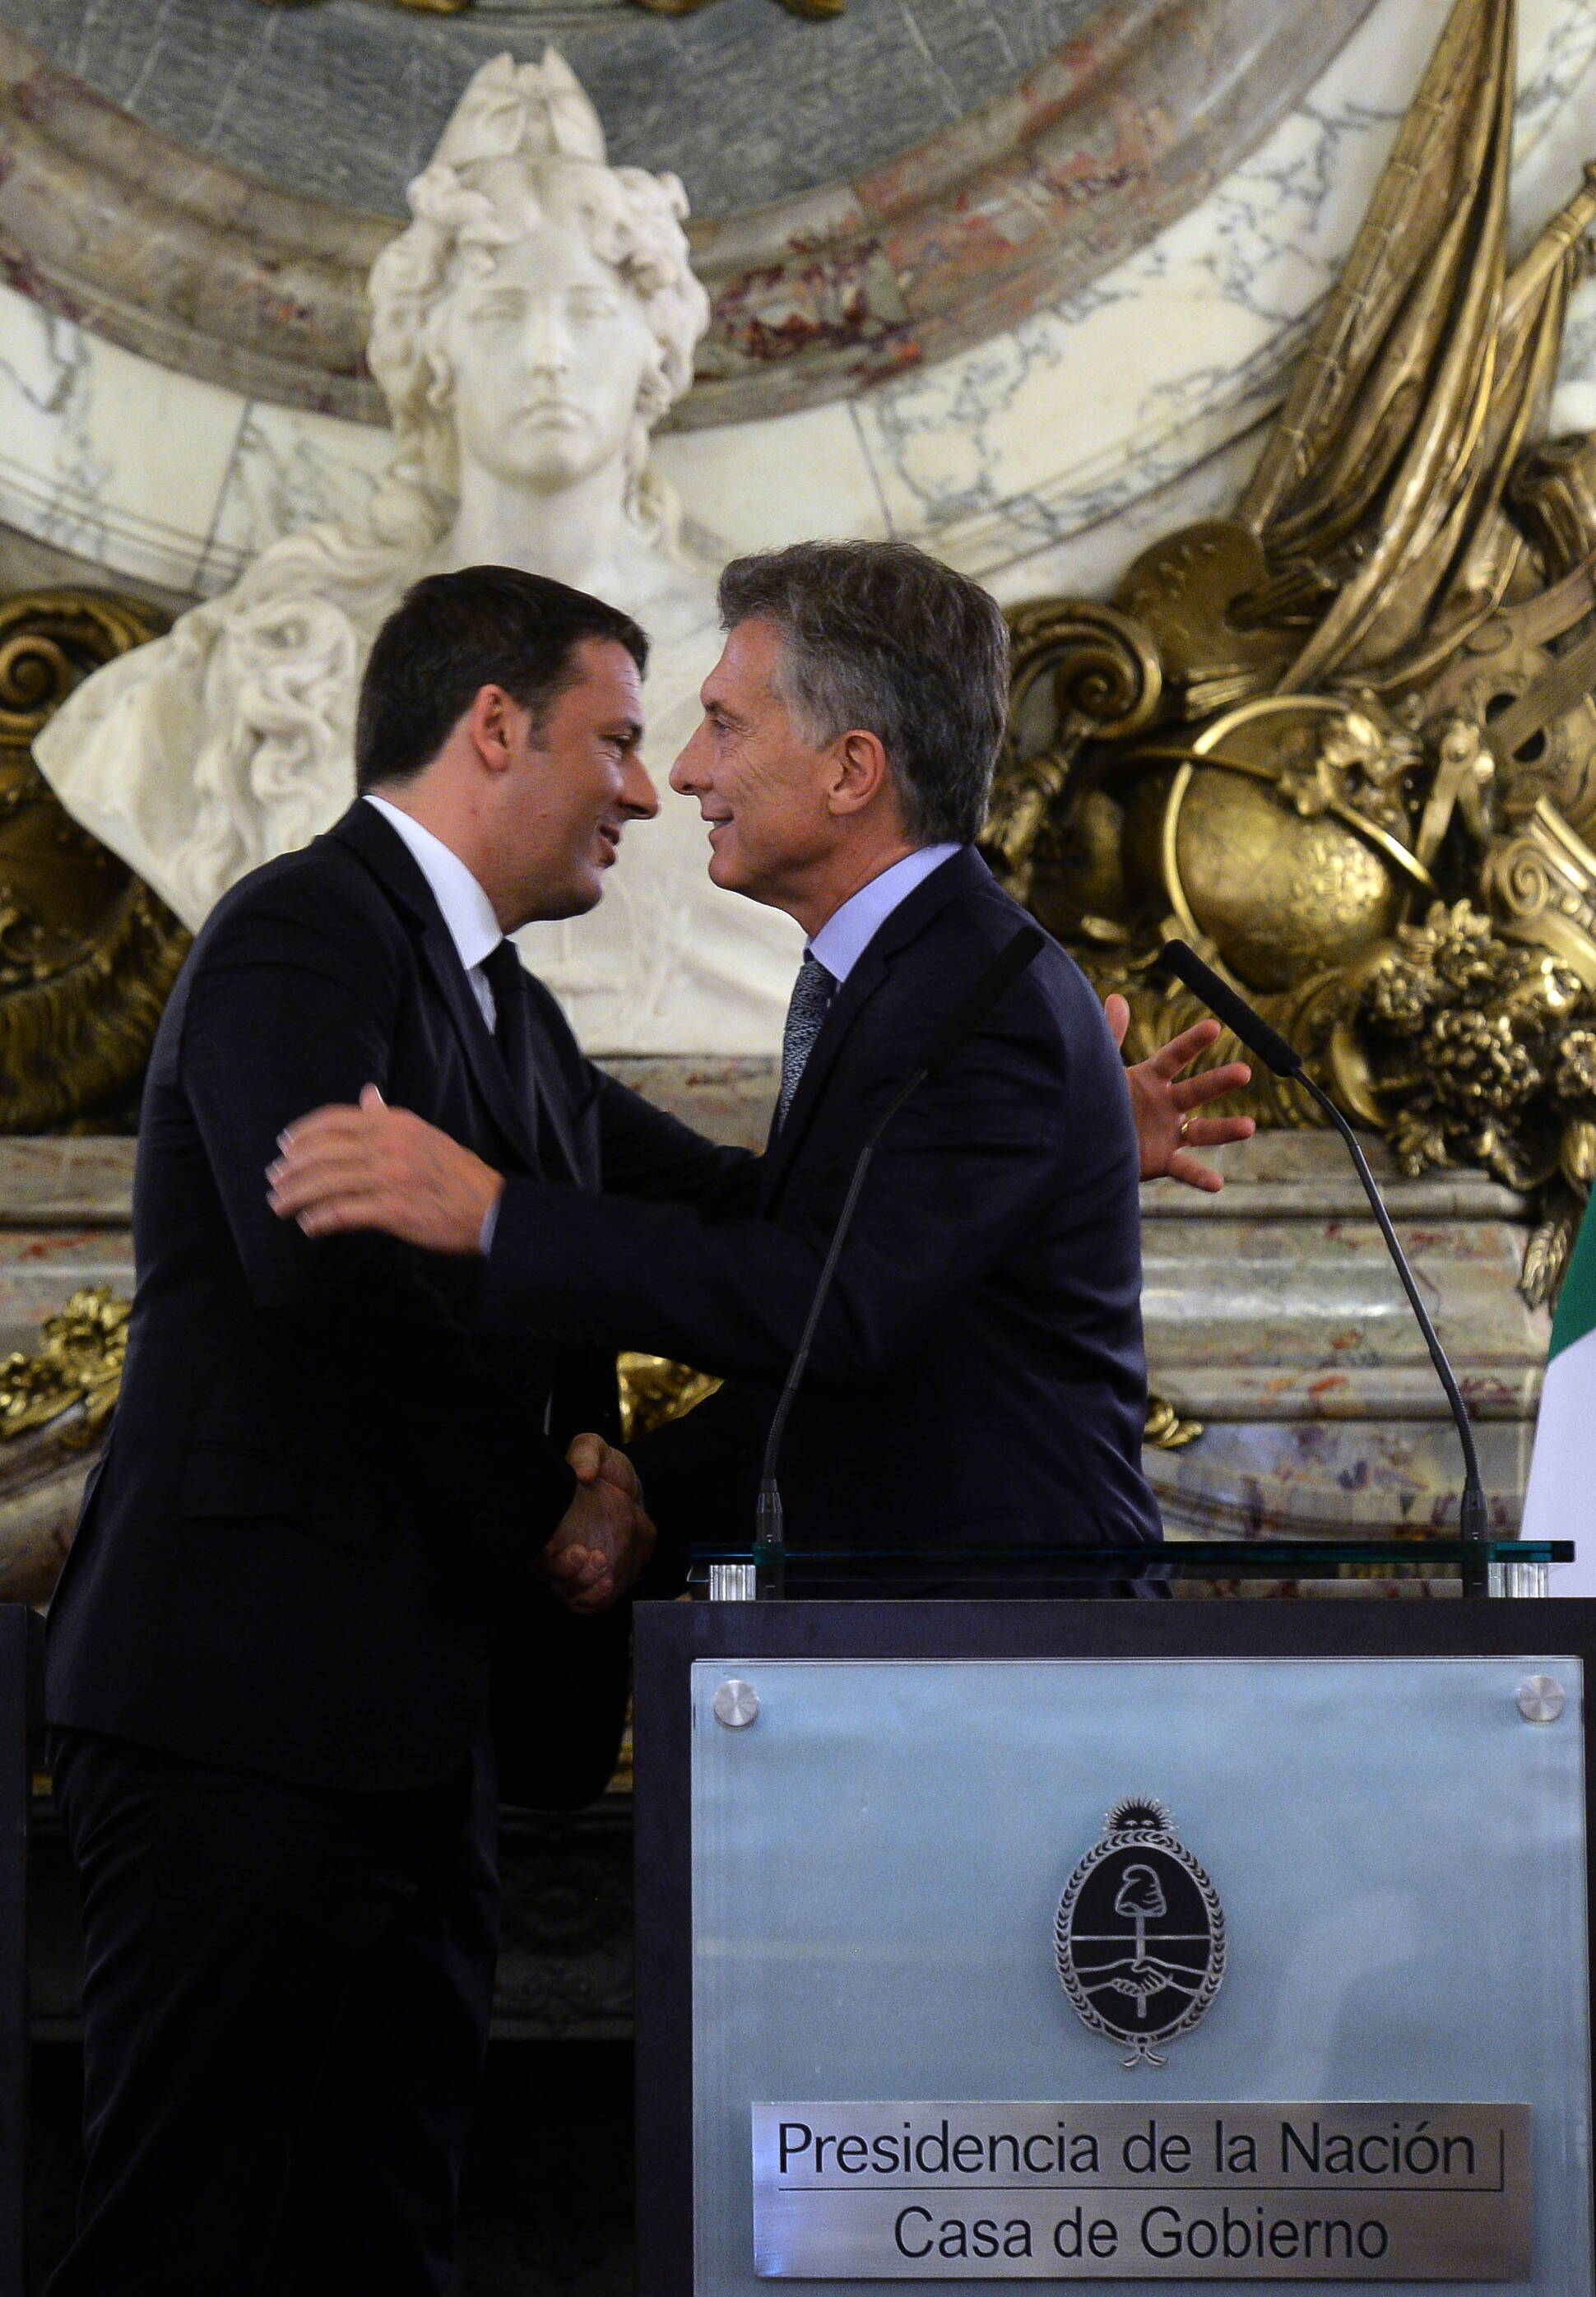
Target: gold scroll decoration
87	952
1359	773
77	1364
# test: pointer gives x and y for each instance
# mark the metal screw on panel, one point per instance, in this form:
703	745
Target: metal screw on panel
1540	1698
736	1704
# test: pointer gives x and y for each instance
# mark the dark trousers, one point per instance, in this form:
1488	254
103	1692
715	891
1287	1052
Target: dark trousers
286	1999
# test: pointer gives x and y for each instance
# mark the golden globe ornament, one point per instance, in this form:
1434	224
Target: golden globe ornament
1280	835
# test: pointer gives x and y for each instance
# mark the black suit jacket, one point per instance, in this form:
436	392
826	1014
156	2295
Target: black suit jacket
978	1378
322	1494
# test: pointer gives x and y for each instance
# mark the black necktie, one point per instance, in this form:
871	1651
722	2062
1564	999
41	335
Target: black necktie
506	977
806	1015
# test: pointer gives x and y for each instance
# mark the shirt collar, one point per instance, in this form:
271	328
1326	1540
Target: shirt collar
465	907
844	937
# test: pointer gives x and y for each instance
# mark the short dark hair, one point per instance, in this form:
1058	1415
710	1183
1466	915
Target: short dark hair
452	635
884	637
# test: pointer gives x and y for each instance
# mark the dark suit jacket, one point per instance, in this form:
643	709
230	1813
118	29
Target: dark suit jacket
978	1378
322	1496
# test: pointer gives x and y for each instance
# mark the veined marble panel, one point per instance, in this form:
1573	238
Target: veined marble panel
1274	1315
208	248
745	103
1312	1480
1037	461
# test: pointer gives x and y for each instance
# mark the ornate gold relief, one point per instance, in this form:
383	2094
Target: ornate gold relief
1345	741
78	1362
1165	1429
655	1390
88	953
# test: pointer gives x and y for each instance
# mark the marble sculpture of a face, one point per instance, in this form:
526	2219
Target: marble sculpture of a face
547	345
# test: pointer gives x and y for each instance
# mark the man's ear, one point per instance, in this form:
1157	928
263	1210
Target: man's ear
494	724
860	773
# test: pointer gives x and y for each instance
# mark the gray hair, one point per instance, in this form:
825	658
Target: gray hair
883	637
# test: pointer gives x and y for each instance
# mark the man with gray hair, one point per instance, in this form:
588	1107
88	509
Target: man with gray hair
978	1375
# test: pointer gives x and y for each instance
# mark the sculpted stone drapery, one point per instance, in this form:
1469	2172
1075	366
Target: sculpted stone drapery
534	321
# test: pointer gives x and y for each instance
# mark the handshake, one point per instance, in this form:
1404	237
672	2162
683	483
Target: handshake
605	1537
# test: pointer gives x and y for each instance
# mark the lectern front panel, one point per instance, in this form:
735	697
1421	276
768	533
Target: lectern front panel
1205	1972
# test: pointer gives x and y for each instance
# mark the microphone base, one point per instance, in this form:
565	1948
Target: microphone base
734	1582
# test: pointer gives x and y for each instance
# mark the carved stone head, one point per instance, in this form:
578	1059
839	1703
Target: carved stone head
539	313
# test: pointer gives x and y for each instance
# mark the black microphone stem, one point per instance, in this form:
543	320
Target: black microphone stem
1214	992
1471	1508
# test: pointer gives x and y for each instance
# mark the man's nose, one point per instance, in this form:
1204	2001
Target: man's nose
687	775
639	794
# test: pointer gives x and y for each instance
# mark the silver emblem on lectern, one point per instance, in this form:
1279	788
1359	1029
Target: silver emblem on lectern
1140	1934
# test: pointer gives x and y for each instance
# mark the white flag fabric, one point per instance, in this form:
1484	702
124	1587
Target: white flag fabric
1560	1503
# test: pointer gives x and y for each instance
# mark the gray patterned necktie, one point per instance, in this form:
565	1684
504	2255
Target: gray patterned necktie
812	993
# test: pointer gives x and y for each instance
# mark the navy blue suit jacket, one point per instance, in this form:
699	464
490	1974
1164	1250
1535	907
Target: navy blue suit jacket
978	1377
307	1550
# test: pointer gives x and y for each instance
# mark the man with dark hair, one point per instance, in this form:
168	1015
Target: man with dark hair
333	1530
978	1377
453	634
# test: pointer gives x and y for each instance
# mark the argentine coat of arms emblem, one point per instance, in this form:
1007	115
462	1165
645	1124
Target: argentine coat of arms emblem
1140	1934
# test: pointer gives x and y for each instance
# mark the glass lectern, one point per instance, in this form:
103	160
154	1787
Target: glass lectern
1202	1945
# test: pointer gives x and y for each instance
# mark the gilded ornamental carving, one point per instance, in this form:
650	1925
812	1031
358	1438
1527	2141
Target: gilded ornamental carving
88	953
1345	741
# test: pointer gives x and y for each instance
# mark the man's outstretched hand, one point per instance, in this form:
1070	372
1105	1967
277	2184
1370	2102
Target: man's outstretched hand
605	1537
386	1168
1163	1102
377	1167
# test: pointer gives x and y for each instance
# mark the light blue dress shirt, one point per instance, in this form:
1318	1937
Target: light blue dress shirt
844	937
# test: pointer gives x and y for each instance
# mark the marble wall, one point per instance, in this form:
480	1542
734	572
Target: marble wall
746	104
1037	460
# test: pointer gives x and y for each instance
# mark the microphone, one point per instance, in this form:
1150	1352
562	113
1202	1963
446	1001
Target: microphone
1237	1016
958	1024
1175	957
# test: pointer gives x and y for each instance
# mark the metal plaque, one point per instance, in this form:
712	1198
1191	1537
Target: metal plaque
1141	1885
1032	2192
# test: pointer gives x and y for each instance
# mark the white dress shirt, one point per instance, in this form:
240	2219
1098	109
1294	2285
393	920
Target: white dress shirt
468	911
842	939
468	914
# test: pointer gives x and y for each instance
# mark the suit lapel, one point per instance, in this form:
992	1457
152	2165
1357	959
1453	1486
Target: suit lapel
905	925
385	854
536	1060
